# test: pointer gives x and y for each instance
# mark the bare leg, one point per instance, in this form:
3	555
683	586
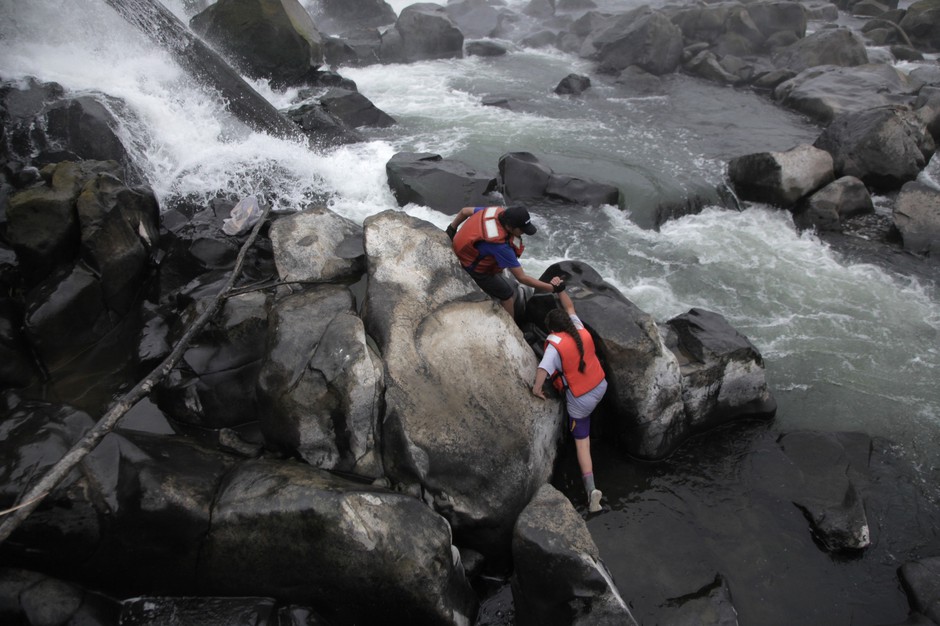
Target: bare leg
583	449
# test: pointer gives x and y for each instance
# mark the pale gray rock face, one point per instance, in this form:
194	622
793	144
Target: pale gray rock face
460	419
320	386
334	540
317	245
917	217
781	178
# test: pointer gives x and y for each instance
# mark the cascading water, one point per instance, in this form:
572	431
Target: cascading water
848	346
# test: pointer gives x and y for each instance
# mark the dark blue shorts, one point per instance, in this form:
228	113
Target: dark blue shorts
580	428
494	285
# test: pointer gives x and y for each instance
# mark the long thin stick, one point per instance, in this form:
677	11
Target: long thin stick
93	437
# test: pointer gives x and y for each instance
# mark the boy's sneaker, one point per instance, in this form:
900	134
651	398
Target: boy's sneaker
595	501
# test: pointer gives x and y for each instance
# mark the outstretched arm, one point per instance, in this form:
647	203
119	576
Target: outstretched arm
566	303
535	283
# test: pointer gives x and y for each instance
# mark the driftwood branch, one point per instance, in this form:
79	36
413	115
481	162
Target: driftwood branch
35	495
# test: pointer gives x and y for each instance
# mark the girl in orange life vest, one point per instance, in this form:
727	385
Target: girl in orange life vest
570	350
487	244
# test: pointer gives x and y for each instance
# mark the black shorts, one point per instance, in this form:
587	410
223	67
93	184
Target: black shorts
494	285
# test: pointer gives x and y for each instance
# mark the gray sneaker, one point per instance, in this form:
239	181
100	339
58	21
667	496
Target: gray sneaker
595	501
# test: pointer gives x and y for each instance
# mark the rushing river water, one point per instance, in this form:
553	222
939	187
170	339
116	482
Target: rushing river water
847	346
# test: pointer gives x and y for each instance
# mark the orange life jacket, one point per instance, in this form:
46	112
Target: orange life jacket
578	382
483	225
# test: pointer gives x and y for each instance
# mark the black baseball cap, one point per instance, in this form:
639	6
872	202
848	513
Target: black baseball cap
518	217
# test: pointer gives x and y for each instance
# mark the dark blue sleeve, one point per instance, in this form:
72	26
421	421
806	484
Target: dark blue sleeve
503	252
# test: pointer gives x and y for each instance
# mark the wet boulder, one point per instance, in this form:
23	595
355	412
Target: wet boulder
822	93
722	372
290	531
558	576
708	66
921	581
827	208
16	364
916	216
336	16
921	22
427	32
317	245
522	176
834	46
780	178
28	597
477	452
213	384
643	408
476	19
196	252
885	147
119	230
485	49
322	127
110	521
320	385
648	40
266	39
573	85
829	469
42	222
354	109
446	185
772	18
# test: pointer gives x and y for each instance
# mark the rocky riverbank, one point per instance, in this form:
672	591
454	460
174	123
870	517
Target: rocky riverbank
318	450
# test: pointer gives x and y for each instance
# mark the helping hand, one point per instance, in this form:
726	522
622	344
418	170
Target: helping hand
451	231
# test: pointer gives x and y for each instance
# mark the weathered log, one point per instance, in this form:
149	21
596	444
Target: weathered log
165	29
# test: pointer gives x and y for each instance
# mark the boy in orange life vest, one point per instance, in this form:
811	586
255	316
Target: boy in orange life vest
570	350
491	241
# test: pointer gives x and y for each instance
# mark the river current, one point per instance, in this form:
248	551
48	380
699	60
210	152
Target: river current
848	346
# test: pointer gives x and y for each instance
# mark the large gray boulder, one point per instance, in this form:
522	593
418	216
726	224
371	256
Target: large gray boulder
266	39
354	109
460	422
836	46
885	147
427	32
558	576
921	22
523	177
824	92
648	40
921	581
722	372
780	178
213	384
332	540
338	16
917	217
446	185
317	245
320	387
826	209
